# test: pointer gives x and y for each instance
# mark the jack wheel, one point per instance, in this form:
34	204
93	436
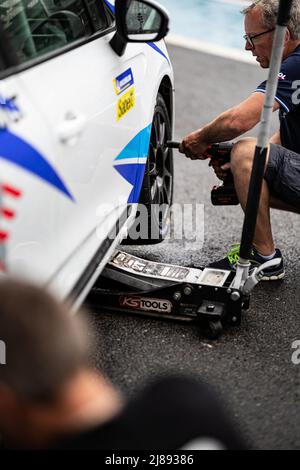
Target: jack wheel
213	329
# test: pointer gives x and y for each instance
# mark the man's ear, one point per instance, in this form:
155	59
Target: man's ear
287	36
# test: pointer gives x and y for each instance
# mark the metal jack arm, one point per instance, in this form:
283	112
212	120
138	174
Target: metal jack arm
257	275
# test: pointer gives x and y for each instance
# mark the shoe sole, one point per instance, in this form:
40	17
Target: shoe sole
277	277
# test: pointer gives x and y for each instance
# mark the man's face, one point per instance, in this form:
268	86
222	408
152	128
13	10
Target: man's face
262	49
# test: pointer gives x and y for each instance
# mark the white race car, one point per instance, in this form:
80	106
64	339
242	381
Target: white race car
86	108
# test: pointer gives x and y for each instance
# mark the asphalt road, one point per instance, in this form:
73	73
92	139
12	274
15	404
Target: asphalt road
251	366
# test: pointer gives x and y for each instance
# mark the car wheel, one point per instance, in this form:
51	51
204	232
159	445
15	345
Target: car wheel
153	215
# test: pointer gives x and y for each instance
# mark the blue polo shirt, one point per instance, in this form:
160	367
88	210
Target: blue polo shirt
288	97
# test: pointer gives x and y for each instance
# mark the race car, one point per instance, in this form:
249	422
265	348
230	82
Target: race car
86	108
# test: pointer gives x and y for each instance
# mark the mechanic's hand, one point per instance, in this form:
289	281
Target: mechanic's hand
194	147
220	171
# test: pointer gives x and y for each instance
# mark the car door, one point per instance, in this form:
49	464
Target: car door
87	97
28	186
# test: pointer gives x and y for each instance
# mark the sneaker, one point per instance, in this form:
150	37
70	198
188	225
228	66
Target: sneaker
229	263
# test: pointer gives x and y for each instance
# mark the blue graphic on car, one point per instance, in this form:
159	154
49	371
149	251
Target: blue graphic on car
19	152
136	150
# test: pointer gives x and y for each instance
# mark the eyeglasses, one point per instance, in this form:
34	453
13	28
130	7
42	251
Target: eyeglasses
249	38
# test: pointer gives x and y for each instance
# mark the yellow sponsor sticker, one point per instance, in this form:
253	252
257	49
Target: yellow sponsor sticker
125	103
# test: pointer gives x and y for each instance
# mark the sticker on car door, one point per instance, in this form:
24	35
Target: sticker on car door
124	81
125	104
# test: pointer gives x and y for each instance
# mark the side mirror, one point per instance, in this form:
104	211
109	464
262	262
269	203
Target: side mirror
138	21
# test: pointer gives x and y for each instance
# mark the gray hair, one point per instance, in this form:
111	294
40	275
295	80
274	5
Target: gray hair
45	345
270	12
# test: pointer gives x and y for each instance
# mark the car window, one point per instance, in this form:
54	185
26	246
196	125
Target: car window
37	27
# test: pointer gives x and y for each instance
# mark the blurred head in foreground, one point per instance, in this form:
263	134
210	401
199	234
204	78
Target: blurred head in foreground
47	388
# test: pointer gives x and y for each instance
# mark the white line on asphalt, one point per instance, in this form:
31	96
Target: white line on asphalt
208	48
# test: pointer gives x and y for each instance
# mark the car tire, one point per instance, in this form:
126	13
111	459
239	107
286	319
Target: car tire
157	189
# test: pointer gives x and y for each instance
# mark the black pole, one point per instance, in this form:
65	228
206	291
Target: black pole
253	200
261	150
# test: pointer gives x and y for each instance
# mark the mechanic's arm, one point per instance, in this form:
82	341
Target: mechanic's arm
227	126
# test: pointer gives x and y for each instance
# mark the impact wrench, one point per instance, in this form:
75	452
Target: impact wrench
224	194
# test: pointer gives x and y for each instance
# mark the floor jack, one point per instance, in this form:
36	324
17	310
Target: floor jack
209	297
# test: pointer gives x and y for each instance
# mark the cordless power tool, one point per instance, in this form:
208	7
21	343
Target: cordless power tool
224	194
